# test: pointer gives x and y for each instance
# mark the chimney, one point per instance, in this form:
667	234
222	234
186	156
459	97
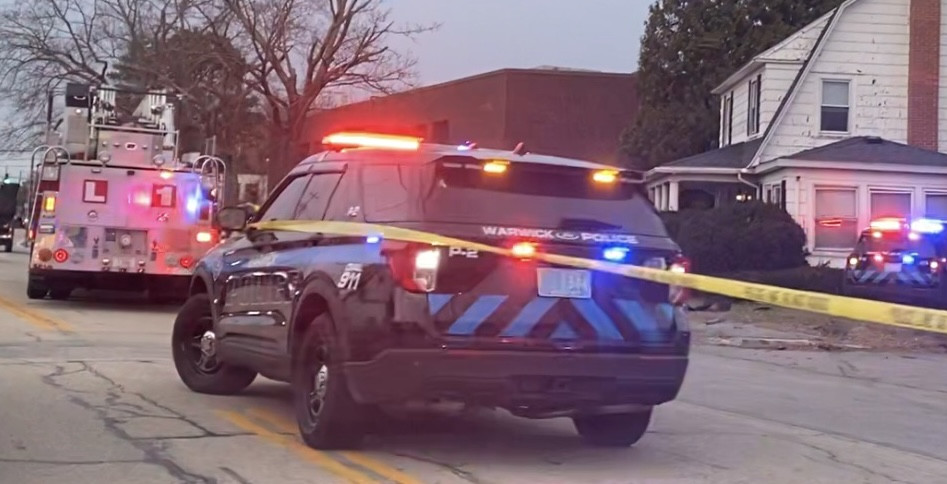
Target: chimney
924	73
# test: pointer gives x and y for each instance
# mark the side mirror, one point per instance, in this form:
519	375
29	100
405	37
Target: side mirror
232	218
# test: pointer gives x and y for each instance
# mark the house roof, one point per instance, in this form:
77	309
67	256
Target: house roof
734	156
871	149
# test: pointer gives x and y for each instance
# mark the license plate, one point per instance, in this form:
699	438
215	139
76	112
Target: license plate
568	283
892	267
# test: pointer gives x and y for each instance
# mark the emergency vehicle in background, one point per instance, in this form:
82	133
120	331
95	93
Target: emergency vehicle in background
899	260
115	206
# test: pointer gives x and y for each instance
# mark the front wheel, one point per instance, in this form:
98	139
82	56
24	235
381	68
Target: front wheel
613	430
327	415
194	349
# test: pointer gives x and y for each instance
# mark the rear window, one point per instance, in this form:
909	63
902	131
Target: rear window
539	196
924	247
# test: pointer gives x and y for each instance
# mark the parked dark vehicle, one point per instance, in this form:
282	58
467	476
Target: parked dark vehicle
8	219
358	323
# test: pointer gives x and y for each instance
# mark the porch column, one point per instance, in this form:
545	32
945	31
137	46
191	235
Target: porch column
673	195
662	196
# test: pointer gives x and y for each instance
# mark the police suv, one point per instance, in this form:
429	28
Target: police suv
900	261
361	323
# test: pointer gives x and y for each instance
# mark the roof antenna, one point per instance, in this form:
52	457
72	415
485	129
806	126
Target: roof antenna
520	149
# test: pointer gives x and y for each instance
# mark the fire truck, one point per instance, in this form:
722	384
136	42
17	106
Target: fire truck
115	205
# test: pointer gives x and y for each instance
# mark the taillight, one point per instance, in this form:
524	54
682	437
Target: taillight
414	267
204	237
523	250
186	262
60	256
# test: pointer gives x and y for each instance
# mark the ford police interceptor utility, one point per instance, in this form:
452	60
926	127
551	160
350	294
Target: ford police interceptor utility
899	261
115	206
357	324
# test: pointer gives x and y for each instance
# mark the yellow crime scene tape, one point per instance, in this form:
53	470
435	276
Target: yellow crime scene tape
840	306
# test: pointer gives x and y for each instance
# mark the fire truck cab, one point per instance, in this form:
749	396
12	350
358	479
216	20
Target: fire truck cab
114	204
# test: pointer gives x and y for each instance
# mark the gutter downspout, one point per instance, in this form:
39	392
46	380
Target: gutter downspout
756	188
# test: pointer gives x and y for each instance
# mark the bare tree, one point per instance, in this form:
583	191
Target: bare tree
300	49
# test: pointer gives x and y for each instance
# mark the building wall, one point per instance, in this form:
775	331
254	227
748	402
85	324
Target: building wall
802	184
570	115
741	95
869	46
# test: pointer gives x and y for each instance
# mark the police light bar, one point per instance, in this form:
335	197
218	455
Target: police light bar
372	140
888	224
927	226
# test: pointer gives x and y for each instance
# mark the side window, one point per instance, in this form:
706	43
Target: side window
282	204
315	199
345	205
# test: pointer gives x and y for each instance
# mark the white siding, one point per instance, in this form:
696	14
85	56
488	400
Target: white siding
796	47
869	47
741	96
776	81
799	196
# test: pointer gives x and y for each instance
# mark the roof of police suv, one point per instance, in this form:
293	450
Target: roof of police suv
427	153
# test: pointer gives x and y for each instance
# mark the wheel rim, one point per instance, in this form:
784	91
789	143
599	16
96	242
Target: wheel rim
200	347
316	396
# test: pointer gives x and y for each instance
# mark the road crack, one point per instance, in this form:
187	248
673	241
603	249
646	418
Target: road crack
453	469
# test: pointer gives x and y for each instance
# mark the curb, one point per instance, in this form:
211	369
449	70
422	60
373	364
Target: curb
782	344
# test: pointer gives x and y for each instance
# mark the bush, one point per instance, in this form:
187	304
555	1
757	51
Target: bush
817	279
736	237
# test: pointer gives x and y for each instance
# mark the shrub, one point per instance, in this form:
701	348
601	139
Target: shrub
735	237
817	279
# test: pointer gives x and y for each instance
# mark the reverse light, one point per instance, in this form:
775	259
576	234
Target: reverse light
496	167
414	267
853	261
204	237
615	254
605	176
371	140
523	250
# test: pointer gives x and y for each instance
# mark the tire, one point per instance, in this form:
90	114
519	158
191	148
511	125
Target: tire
60	293
613	430
338	423
199	371
8	247
35	290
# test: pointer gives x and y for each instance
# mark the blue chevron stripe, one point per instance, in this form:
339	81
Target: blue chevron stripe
597	318
564	332
529	317
474	316
436	302
635	312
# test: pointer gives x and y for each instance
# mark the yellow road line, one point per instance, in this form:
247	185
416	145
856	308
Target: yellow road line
282	424
33	317
319	458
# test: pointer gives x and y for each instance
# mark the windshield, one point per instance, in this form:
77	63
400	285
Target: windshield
524	196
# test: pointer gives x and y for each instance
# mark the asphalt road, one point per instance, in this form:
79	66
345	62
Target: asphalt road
88	394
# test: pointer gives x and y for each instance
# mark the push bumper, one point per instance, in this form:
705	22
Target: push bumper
518	380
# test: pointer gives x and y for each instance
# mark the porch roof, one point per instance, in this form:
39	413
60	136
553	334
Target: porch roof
736	156
872	150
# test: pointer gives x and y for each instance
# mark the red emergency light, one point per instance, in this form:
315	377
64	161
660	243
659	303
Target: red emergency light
371	140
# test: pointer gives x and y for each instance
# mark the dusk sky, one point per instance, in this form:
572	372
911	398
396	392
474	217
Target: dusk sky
483	35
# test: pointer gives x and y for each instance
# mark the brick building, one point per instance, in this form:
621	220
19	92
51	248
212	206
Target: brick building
554	111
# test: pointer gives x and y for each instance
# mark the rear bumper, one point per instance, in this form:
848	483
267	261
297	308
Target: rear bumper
131	281
528	382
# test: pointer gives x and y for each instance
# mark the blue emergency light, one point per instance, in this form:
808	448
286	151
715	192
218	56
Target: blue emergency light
615	254
907	259
373	239
927	226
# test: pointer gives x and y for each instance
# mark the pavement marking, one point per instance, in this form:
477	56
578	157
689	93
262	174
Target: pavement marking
284	425
34	317
319	458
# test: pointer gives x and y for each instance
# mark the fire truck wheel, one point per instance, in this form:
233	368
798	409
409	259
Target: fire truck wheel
613	430
327	415
194	349
35	290
8	247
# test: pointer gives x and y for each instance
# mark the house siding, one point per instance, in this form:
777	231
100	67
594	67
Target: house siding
801	184
797	46
869	46
741	96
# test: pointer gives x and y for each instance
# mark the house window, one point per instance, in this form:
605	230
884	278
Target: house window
835	101
774	194
890	204
836	219
726	122
753	107
936	206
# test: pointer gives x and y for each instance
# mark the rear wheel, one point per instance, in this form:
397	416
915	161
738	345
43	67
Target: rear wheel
36	290
8	247
613	430
194	350
60	293
327	415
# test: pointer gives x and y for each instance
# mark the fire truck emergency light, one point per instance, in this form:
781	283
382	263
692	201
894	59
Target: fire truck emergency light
372	140
496	167
605	176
